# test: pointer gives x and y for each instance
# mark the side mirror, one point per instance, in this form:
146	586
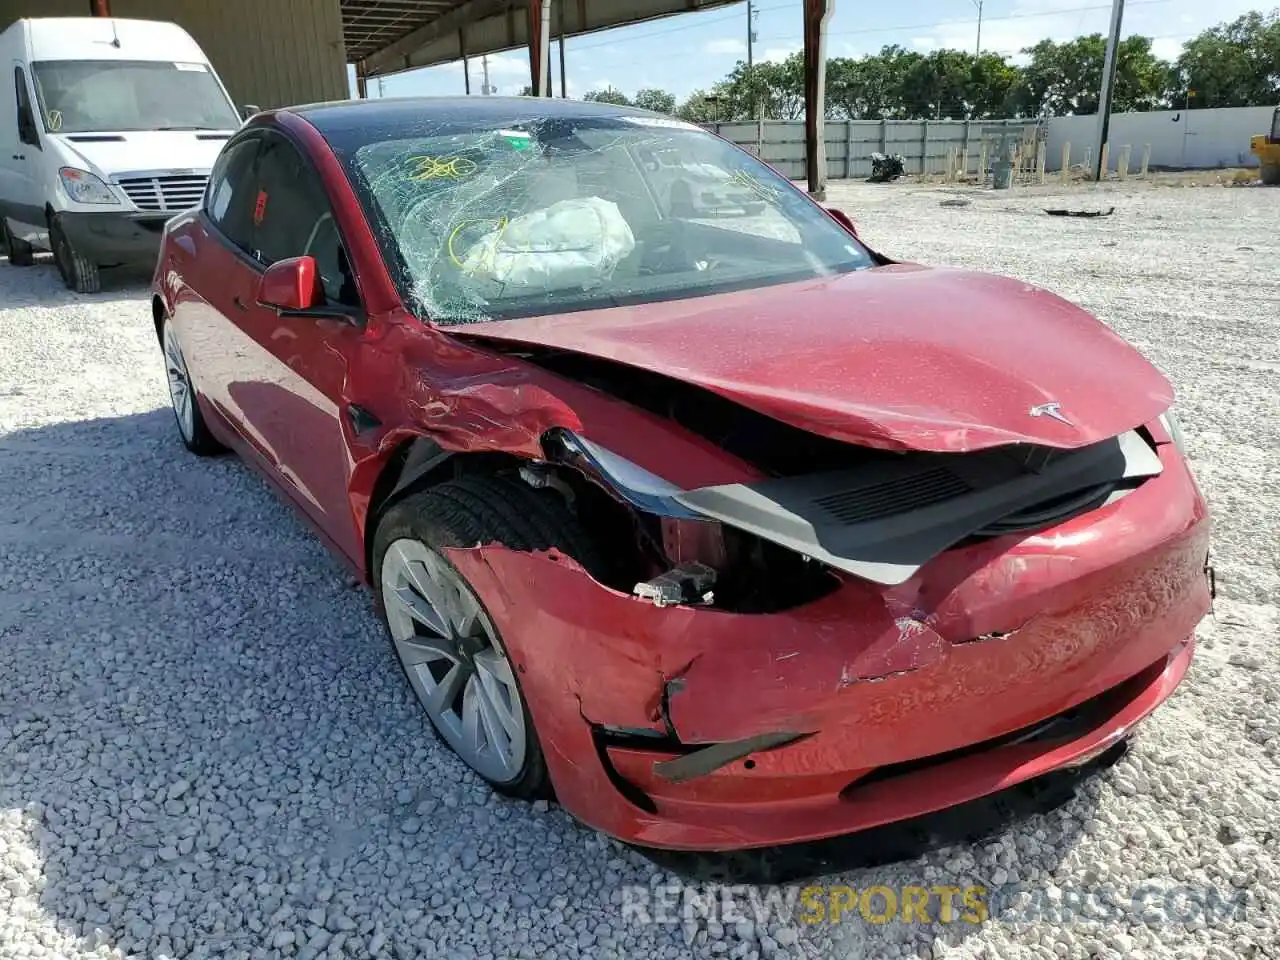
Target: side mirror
843	219
248	110
291	286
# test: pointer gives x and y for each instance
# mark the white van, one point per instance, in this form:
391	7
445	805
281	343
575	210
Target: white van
108	128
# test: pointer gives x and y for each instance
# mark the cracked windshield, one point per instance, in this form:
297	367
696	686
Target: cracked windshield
550	216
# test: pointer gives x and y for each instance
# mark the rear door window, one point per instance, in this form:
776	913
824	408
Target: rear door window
230	194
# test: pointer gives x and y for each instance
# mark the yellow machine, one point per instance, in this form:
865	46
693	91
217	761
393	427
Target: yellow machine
1267	147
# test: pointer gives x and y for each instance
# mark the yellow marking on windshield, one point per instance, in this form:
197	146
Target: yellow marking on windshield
486	260
441	168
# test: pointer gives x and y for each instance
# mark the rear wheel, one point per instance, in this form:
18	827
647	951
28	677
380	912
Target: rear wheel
19	252
191	426
78	273
1271	174
449	648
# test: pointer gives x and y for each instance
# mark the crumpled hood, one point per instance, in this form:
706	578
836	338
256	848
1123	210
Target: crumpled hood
898	357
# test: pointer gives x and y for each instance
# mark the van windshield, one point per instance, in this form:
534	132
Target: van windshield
98	96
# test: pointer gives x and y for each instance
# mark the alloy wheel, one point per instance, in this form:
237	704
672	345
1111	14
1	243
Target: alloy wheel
454	660
179	384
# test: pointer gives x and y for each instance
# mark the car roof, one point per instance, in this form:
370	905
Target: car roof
347	115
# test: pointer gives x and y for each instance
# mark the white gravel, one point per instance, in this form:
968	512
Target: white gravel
207	749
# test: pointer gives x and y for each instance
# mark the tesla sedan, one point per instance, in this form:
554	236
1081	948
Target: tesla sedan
705	518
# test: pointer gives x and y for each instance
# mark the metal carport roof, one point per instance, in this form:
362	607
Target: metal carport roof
394	35
387	36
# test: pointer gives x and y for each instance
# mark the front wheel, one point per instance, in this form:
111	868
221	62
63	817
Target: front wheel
450	650
1271	174
78	273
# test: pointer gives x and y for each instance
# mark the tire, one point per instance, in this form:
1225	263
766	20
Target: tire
460	513
1271	174
19	252
182	397
78	274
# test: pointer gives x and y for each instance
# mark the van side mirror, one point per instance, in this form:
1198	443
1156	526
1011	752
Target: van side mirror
27	132
248	110
843	219
291	286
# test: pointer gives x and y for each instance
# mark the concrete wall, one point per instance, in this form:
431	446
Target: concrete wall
1178	139
1196	138
270	54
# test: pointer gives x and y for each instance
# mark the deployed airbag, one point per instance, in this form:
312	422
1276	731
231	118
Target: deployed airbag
570	244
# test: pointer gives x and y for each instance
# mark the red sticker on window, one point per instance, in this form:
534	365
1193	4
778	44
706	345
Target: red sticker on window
260	208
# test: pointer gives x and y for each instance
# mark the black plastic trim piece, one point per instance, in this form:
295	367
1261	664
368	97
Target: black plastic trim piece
885	520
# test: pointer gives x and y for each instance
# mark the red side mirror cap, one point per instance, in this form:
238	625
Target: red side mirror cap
291	285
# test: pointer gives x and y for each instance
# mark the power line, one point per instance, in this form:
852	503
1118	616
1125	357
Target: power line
905	27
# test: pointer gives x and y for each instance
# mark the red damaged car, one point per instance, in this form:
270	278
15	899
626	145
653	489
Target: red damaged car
680	503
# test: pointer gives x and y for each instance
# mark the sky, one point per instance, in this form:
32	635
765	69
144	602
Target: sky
692	51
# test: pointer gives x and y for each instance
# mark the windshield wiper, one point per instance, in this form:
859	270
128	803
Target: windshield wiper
191	128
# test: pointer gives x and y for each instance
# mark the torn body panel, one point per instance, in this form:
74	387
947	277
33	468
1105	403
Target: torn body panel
488	403
878	676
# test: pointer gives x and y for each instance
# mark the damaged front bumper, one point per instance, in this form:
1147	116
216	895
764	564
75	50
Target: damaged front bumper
692	727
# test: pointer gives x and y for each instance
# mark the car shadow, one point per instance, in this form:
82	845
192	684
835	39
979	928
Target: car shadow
192	688
43	283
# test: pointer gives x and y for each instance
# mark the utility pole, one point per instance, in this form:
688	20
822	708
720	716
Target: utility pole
1108	84
755	105
977	52
484	87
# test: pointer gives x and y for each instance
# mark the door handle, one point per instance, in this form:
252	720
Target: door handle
19	156
239	304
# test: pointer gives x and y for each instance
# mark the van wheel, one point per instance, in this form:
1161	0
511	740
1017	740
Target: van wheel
78	274
19	252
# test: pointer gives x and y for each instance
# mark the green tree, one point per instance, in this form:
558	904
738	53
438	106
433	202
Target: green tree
1063	78
608	95
704	106
938	85
993	82
871	88
659	101
1234	64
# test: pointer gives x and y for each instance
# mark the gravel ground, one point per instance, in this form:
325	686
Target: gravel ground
207	749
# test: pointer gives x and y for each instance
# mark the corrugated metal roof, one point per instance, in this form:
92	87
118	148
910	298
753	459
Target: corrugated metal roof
371	25
394	35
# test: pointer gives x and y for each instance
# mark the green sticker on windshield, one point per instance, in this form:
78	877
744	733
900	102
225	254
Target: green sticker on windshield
518	139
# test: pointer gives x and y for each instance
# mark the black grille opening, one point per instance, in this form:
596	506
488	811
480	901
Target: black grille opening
887	497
